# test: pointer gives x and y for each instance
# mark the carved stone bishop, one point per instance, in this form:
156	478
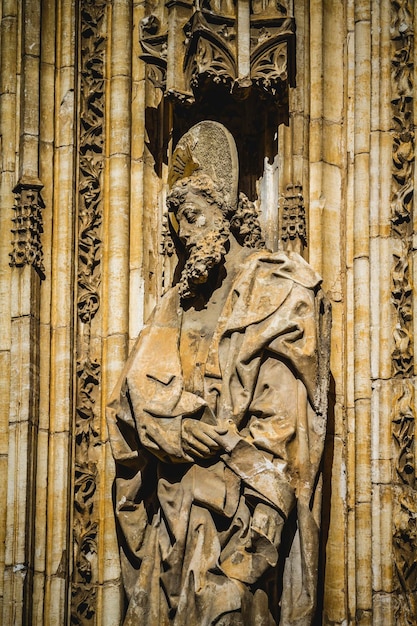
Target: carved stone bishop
217	423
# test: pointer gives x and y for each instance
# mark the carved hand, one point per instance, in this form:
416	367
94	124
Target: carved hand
231	436
200	440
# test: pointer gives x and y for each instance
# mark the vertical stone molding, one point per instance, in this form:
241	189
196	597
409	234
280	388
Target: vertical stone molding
19	132
8	131
403	412
27	225
93	16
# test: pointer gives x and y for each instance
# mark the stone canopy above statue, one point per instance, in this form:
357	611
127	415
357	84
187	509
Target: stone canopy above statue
245	46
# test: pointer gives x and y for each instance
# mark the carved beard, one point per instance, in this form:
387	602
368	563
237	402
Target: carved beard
204	254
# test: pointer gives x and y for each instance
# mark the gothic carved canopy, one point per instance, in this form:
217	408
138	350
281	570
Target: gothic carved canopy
242	45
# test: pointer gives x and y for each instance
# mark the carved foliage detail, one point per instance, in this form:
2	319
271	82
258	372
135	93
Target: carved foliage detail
403	168
405	551
402	45
403	431
28	227
91	155
403	421
401	290
402	42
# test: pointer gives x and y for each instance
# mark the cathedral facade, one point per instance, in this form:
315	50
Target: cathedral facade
94	98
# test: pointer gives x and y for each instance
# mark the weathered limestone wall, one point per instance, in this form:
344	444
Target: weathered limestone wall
85	141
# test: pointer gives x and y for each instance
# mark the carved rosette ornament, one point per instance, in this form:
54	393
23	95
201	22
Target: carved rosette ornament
403	412
241	45
27	225
86	435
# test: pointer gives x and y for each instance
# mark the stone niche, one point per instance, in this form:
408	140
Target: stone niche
218	77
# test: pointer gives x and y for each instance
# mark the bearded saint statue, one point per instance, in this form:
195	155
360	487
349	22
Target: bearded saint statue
217	423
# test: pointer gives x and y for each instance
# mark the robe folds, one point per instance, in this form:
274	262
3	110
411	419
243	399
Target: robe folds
232	540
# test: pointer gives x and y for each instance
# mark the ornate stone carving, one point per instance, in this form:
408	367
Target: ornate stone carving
403	161
85	531
273	56
92	102
293	218
27	225
402	356
403	431
208	54
208	50
167	245
405	550
269	7
217	442
402	100
167	252
402	180
404	504
402	206
154	47
89	229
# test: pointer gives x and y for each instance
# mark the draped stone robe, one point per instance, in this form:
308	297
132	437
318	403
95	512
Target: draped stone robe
234	539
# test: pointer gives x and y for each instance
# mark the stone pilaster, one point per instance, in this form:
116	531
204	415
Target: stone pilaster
26	260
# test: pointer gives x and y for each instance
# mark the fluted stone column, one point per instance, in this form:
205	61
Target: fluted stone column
8	120
26	260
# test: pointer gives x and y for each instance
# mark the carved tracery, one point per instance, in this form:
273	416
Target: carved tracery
208	52
241	45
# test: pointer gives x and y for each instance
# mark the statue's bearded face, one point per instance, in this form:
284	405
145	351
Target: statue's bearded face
204	231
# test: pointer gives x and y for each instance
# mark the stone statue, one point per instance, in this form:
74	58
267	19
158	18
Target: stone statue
217	423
